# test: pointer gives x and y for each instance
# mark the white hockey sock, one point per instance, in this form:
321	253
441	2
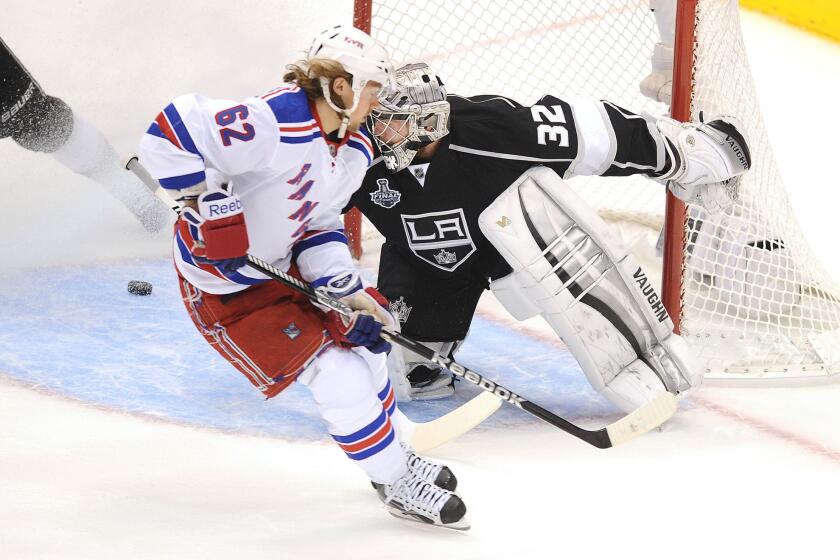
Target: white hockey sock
387	396
344	388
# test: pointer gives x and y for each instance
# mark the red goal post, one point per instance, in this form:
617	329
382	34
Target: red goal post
362	11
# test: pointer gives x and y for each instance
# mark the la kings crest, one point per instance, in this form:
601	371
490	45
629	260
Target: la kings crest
442	239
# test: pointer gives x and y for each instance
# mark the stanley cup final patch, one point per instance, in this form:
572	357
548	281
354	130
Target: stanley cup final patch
385	197
442	239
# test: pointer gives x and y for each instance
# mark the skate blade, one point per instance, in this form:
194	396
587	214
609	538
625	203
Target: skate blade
462	525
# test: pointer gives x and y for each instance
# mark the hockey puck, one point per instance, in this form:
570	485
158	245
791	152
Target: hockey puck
139	288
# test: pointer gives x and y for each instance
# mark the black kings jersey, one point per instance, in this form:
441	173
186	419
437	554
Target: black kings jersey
429	211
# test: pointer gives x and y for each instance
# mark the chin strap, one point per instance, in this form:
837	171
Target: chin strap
345	122
345	113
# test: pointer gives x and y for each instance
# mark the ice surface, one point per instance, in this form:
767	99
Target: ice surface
123	435
78	332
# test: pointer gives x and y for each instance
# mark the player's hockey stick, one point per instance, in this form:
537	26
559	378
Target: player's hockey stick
641	420
423	435
636	423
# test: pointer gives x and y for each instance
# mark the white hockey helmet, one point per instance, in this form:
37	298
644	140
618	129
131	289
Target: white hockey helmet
362	57
411	114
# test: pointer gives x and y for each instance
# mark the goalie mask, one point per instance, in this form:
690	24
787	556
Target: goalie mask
412	114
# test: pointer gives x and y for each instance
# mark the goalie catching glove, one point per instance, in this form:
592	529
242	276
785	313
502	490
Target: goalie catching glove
222	239
370	312
707	161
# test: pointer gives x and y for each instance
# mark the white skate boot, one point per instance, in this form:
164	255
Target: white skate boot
414	498
437	474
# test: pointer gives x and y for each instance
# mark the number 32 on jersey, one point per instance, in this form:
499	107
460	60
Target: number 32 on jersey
552	127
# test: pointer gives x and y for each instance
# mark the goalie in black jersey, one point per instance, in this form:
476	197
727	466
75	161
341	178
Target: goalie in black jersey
469	195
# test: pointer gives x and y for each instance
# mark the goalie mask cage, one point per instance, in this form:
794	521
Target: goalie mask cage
744	288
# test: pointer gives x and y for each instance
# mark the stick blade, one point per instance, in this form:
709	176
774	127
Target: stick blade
643	419
428	435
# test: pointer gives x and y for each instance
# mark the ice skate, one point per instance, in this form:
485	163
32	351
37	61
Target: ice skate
439	475
414	498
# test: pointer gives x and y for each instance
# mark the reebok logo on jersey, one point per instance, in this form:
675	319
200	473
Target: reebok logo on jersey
385	196
341	283
344	285
650	293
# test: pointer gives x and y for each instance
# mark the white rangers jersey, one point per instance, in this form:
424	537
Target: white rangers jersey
293	182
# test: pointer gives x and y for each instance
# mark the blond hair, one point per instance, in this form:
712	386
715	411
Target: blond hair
307	75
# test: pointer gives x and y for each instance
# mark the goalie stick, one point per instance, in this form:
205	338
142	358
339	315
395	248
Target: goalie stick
641	420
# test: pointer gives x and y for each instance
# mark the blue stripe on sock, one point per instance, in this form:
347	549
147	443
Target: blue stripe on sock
364	432
373	450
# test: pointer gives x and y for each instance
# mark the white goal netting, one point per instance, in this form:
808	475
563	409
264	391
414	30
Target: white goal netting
756	303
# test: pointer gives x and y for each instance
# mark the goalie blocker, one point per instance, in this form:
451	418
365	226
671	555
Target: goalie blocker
568	267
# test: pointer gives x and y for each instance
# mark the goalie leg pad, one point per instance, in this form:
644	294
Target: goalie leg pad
577	274
632	387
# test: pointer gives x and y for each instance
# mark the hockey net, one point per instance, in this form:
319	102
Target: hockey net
754	302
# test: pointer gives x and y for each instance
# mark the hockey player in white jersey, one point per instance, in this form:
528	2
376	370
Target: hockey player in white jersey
463	209
269	176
